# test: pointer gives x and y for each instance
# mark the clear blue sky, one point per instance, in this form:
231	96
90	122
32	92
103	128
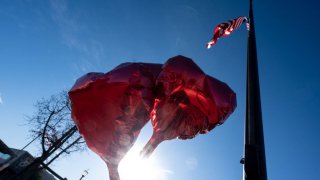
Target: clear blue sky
46	45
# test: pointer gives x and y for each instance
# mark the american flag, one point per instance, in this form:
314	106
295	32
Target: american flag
224	29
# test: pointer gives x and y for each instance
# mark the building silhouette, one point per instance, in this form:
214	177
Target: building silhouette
13	161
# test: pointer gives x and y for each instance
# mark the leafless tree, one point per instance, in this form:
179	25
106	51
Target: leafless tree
52	127
50	121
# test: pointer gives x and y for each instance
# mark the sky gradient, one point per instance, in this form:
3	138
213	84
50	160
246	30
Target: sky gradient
46	45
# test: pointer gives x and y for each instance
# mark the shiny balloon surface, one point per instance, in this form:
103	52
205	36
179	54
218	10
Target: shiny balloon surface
111	108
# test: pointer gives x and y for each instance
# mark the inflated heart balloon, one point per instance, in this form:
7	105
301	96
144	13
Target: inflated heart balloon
188	102
110	109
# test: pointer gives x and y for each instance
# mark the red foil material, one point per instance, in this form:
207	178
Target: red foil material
188	102
180	99
110	109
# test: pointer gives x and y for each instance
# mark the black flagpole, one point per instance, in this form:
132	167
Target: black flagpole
254	155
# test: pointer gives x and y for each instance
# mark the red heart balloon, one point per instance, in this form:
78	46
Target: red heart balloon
188	102
110	109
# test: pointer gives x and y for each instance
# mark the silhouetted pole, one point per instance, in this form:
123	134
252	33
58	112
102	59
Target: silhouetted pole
254	156
33	167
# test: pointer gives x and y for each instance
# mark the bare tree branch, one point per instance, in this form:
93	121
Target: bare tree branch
51	119
44	131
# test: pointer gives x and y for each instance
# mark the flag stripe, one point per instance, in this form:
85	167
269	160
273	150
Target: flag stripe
226	28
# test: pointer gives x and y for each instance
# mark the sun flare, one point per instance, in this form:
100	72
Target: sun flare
135	167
